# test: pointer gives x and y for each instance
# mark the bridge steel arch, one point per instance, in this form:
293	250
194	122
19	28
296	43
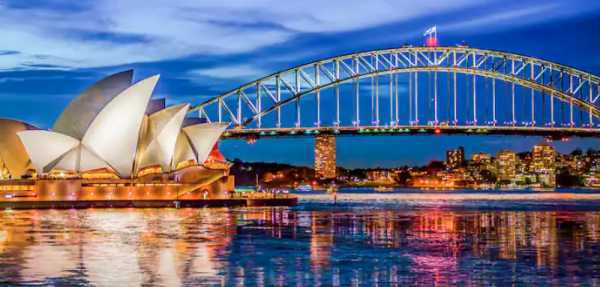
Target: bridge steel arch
568	85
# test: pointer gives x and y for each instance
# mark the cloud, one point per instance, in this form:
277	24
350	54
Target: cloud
32	98
484	23
246	72
520	13
11	79
88	33
65	34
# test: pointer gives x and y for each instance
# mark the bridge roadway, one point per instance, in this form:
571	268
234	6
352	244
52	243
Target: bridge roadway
553	133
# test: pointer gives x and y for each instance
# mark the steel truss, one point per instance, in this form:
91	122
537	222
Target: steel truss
270	94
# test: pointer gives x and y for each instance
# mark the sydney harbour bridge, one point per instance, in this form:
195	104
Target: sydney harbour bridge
414	91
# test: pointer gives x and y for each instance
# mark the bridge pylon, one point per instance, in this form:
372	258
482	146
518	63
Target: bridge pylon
325	154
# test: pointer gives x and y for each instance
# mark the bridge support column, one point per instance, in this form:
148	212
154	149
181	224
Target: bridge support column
325	163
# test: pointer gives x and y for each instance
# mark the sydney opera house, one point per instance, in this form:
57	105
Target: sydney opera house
112	142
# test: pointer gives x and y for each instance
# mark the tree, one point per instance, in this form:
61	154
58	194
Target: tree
488	176
577	152
402	177
564	178
590	152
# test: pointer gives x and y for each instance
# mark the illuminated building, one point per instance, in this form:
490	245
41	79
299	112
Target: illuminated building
480	162
433	182
506	161
481	158
547	179
543	163
325	165
111	142
524	162
455	158
380	175
526	178
544	156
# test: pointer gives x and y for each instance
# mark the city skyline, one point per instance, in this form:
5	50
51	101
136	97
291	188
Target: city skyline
541	168
479	155
41	82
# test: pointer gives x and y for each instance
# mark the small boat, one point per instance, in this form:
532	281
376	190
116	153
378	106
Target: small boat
304	187
383	189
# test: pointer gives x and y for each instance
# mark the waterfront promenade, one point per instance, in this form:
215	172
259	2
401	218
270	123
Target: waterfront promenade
198	203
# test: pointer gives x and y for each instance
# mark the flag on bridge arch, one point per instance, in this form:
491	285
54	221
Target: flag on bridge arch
431	31
431	35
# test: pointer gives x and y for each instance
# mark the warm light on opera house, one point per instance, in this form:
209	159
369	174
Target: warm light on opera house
113	142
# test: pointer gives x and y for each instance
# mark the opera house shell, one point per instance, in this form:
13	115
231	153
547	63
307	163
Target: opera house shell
115	141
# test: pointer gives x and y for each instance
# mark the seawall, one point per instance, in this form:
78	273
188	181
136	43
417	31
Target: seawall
84	204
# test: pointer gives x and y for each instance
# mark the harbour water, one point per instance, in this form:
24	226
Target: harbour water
406	237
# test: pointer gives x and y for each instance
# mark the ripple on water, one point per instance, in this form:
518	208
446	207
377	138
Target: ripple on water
525	239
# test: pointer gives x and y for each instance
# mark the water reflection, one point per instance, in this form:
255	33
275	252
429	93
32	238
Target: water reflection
290	247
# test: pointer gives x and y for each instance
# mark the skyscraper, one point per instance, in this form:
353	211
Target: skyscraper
481	158
544	156
455	157
543	163
506	161
481	161
325	156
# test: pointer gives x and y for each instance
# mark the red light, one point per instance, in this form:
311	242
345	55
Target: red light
431	41
437	131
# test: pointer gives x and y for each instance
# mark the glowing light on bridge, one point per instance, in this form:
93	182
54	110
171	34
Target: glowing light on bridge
431	41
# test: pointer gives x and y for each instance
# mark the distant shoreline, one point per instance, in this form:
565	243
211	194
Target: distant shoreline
457	188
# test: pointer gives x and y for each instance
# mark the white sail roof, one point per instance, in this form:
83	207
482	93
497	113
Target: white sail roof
113	134
13	153
79	114
105	128
80	159
204	137
43	147
158	144
183	150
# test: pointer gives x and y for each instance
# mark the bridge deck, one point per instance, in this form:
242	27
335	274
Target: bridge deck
550	132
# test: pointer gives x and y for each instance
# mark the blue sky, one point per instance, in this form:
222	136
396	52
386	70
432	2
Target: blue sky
50	50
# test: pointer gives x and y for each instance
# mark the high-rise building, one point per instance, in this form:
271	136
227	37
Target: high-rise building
543	158
482	160
524	162
481	157
455	157
506	161
325	156
479	162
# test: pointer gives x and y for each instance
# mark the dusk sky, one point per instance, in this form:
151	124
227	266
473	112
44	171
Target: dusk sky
50	50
